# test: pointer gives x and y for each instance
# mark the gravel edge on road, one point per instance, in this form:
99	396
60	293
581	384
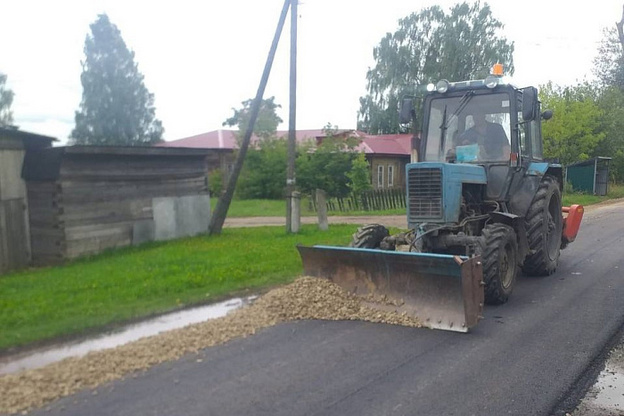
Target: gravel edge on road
306	298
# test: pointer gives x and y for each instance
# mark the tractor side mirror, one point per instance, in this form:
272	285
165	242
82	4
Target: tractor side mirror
547	114
529	103
407	110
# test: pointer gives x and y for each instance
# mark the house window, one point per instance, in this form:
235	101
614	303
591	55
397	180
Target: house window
380	176
390	176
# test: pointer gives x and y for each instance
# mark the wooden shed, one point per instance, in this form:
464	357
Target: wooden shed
85	199
14	227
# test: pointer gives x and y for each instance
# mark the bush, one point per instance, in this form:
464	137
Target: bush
215	182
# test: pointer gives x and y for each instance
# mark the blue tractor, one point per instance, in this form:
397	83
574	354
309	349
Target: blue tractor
482	204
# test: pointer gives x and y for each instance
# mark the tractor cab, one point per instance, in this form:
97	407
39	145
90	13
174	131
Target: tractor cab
486	122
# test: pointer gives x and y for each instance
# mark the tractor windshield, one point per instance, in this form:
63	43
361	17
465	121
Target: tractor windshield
469	128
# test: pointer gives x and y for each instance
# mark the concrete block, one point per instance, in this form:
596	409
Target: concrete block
176	217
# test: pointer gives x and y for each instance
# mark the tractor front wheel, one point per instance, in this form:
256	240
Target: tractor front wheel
369	236
544	223
499	255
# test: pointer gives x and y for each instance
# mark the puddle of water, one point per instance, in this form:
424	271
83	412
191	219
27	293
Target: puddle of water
610	389
119	337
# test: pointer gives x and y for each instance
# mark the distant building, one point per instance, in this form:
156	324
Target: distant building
387	154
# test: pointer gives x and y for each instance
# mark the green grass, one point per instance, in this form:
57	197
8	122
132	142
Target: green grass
257	208
113	287
615	191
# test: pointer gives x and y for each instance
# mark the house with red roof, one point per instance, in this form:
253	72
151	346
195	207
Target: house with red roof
386	154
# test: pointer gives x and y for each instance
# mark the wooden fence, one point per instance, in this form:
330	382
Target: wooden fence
375	200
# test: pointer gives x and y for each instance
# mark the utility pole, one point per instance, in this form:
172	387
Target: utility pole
292	125
218	218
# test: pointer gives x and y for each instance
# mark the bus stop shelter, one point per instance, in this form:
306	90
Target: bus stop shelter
590	176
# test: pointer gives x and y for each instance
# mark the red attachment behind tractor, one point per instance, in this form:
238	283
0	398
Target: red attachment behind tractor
571	223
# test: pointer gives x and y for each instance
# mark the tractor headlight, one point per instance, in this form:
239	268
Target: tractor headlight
442	86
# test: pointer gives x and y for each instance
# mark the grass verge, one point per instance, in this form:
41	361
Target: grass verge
135	282
615	191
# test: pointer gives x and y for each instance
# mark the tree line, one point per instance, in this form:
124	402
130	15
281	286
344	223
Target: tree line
334	165
460	43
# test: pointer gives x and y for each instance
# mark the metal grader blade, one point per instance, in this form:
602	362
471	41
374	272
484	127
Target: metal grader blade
442	291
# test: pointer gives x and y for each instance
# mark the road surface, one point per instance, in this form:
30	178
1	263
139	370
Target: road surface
535	355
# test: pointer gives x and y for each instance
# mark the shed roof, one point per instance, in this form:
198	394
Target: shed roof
45	164
28	140
591	161
226	139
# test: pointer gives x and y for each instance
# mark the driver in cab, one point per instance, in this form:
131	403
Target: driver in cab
491	138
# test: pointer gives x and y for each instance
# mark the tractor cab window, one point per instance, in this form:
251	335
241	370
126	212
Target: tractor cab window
469	128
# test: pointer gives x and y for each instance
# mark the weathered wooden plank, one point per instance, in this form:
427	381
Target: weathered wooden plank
44	232
44	201
120	167
97	240
48	259
43	186
121	192
44	245
44	218
91	185
107	212
83	232
13	233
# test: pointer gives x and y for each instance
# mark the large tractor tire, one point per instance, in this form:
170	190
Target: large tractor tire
369	236
499	255
544	223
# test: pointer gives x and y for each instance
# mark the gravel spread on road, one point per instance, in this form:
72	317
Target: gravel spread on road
306	298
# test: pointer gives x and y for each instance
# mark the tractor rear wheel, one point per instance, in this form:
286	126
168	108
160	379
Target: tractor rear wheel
544	223
499	255
369	236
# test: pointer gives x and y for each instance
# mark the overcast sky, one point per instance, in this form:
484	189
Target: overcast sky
202	58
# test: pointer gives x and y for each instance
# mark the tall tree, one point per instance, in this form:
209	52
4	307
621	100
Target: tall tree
116	107
575	131
264	172
266	123
611	101
328	165
428	46
6	100
609	61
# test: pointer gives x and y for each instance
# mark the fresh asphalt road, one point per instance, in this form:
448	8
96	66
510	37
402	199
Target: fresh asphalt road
531	356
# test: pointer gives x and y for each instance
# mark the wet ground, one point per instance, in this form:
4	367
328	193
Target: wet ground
121	336
606	397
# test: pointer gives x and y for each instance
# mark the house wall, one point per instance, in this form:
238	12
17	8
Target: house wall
14	234
397	166
103	201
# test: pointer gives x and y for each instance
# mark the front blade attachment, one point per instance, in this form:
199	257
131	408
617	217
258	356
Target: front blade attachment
442	291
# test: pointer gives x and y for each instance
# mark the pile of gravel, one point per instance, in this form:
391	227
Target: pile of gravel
306	298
